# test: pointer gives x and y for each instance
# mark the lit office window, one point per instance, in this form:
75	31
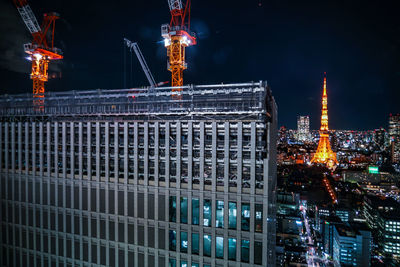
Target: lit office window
207	212
195	264
245	248
172	208
245	217
195	211
184	263
232	215
184	210
259	218
195	244
257	252
219	222
232	249
172	263
207	245
172	240
184	242
219	247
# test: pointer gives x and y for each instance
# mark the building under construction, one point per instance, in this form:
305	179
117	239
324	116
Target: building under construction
134	177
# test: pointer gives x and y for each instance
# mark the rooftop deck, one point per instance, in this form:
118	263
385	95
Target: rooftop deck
196	100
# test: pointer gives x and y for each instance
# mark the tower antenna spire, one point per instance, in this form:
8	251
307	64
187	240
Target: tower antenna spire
324	153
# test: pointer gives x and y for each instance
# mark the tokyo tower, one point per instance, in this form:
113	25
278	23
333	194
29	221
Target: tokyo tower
324	153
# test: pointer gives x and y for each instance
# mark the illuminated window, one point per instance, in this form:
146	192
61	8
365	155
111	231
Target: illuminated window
184	242
219	222
245	248
232	249
172	208
172	240
184	210
245	217
195	211
258	220
184	263
219	247
207	212
207	245
195	243
172	263
232	215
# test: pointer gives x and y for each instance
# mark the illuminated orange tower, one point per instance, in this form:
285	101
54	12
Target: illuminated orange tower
324	153
177	37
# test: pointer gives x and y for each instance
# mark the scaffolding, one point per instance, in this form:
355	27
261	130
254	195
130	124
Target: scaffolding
250	99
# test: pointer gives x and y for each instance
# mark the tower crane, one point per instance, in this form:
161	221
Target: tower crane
177	37
41	50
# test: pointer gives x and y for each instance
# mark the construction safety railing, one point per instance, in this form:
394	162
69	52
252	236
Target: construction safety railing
246	98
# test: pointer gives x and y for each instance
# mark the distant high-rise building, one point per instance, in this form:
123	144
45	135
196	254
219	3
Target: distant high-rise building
380	138
351	245
394	135
137	178
303	128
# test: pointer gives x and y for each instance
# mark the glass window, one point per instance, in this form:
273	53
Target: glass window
184	242
184	263
219	247
195	211
245	248
195	264
232	249
257	252
232	215
219	222
207	212
172	208
245	217
172	263
184	210
172	240
259	218
195	243
207	245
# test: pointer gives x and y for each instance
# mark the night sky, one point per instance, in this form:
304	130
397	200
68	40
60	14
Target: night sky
288	43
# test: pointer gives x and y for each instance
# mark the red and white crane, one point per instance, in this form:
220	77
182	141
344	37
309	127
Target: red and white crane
177	37
41	50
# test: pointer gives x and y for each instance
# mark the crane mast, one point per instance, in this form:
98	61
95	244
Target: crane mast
177	37
41	50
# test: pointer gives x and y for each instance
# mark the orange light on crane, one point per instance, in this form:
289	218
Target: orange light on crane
41	50
177	37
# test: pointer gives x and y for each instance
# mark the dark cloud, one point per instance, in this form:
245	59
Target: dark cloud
13	36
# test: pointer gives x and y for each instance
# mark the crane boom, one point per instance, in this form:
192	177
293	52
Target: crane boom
27	16
175	5
139	55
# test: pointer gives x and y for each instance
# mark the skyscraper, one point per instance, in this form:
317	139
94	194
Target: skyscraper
394	136
303	128
136	178
324	153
